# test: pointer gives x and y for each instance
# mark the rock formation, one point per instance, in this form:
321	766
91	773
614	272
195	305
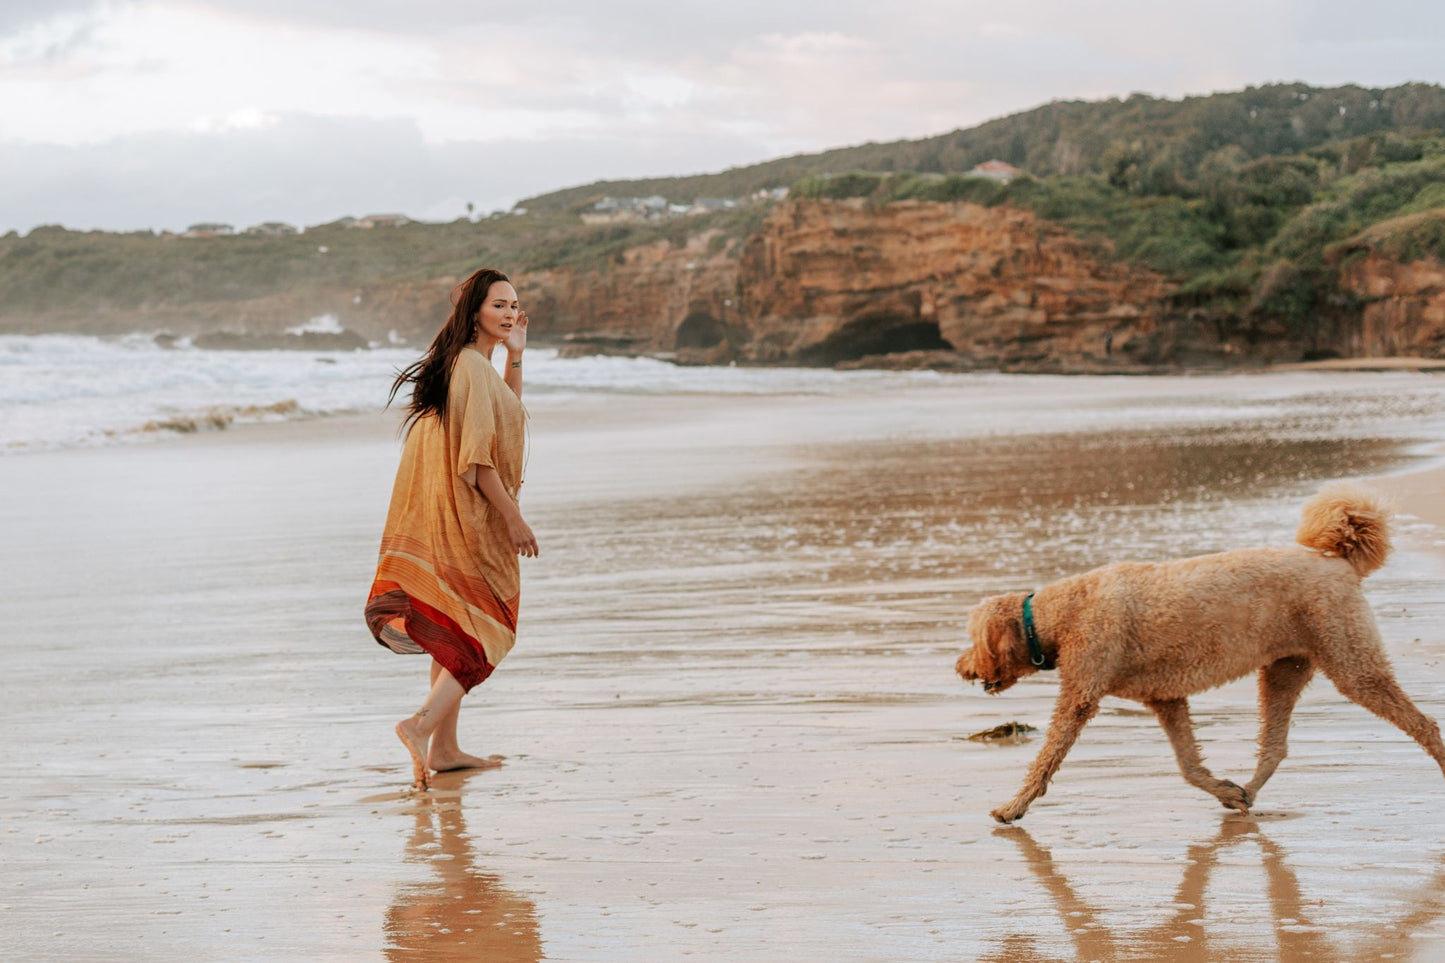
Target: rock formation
956	285
828	282
832	281
1402	308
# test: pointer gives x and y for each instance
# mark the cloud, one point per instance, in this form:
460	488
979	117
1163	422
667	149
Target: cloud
155	68
639	28
17	15
309	170
438	95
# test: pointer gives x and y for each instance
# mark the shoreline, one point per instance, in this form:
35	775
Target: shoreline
1419	493
587	345
950	362
1363	364
197	421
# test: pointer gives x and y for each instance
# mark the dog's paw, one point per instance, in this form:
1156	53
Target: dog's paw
1006	815
1232	796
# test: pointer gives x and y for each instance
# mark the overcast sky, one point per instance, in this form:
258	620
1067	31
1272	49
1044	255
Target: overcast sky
132	115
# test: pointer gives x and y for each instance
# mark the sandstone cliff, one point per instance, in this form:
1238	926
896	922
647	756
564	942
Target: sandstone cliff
831	281
963	285
655	298
1402	300
828	282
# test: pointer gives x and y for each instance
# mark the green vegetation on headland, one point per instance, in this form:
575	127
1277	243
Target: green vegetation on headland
1264	234
1150	141
1251	200
56	279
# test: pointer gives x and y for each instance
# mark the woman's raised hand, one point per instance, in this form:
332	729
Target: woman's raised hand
516	340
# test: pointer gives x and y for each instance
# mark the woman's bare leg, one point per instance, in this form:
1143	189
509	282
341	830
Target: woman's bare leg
415	732
444	752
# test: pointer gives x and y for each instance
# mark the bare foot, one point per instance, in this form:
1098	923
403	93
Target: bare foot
443	761
415	744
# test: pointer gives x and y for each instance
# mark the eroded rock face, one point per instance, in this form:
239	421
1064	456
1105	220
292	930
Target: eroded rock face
1404	310
832	282
660	297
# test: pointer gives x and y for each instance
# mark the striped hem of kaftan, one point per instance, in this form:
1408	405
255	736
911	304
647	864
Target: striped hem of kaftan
408	626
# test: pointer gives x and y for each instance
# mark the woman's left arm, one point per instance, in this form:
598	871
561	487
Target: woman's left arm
516	343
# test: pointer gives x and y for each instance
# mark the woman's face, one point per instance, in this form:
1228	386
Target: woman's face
498	312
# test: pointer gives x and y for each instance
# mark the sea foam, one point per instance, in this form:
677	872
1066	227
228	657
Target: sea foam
61	391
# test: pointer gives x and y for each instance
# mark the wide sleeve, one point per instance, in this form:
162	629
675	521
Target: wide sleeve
471	417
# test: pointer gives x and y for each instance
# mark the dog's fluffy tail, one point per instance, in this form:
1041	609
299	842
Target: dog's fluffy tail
1349	522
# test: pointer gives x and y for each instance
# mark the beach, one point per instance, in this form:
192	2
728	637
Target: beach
730	724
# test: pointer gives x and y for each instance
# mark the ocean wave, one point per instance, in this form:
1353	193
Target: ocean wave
62	391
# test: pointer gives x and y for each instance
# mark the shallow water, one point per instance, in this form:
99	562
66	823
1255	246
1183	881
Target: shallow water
62	391
731	723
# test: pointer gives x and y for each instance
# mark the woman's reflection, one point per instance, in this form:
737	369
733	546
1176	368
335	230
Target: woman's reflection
1181	936
458	913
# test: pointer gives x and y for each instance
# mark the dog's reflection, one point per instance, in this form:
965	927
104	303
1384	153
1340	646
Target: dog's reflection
460	913
1183	935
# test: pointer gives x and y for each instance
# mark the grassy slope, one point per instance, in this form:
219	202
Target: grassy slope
1153	136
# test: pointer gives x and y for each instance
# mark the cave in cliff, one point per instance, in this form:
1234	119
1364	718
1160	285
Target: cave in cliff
700	330
875	334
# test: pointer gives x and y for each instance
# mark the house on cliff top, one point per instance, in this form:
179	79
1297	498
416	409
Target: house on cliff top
272	229
382	220
368	222
618	210
711	205
997	170
209	229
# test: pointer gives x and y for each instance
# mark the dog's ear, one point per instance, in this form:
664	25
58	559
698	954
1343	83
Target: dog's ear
993	627
976	662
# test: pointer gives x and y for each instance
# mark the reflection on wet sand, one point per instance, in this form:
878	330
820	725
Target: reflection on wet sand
1186	934
460	912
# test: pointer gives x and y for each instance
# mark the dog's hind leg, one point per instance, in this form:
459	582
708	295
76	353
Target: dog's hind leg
1173	715
1071	714
1368	681
1280	685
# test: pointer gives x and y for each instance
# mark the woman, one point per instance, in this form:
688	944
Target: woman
447	582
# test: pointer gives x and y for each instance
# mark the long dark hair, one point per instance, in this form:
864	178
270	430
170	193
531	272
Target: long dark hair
431	376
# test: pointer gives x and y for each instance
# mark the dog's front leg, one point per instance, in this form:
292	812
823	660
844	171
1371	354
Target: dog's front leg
1070	716
1173	715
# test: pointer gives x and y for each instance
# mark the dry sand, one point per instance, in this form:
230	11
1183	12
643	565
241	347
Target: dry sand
730	724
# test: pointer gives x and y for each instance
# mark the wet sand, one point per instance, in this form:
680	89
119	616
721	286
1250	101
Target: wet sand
1419	496
1389	363
730	723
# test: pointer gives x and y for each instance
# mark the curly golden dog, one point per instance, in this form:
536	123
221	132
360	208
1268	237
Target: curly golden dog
1157	633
